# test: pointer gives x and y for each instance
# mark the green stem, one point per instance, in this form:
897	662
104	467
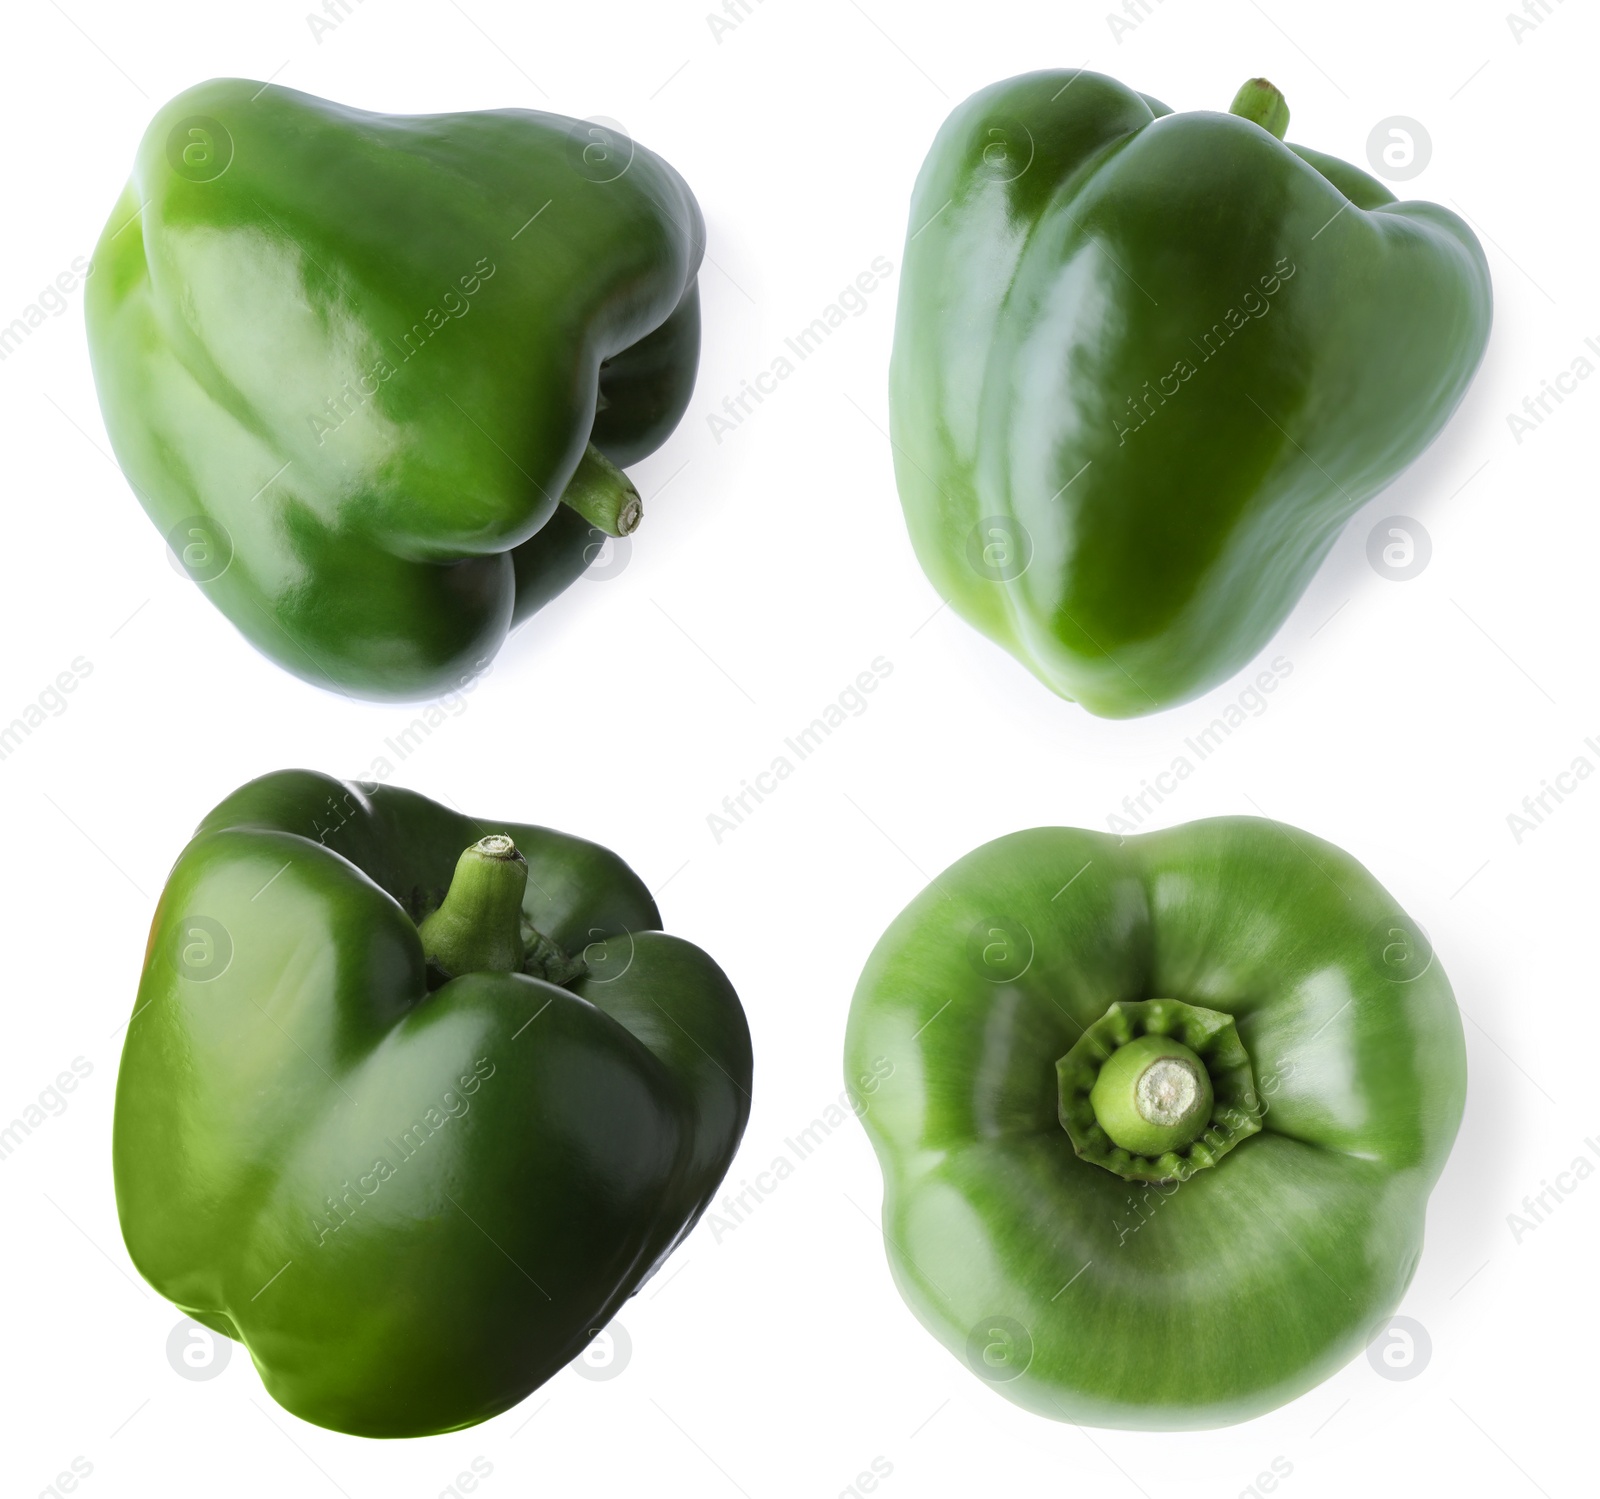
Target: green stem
478	928
603	495
1153	1095
1260	102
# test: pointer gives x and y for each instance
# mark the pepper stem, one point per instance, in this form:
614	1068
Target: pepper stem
1261	103
603	495
1153	1095
1157	1089
478	928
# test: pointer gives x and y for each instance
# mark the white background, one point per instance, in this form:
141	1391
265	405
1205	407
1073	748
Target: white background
772	569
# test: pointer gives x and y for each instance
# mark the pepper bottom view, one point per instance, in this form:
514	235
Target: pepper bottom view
1158	1116
411	1103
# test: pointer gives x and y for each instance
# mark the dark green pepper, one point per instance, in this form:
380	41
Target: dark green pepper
1158	1116
372	376
411	1103
1147	365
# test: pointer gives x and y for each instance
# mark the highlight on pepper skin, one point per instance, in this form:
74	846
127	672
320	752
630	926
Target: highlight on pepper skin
1158	1115
376	378
410	1103
1126	435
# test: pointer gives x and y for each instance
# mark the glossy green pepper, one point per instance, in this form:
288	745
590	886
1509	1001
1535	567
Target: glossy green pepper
353	364
1158	1116
1147	365
411	1103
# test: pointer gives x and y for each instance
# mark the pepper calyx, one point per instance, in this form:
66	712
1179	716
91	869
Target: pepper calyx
548	961
1157	1089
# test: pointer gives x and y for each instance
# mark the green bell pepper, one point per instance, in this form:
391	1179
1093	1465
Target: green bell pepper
1158	1116
372	376
411	1103
1147	365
